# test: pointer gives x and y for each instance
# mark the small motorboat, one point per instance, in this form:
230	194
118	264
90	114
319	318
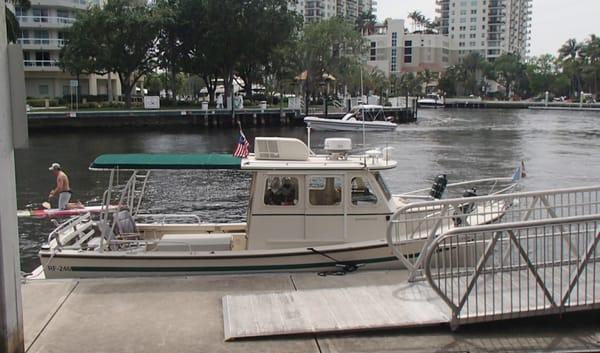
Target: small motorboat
362	117
306	212
431	101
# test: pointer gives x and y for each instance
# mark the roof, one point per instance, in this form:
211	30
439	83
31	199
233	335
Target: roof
318	162
165	161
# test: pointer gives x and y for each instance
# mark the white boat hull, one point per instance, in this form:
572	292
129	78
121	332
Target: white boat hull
348	125
75	264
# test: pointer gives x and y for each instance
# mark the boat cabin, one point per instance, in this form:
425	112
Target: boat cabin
300	199
297	199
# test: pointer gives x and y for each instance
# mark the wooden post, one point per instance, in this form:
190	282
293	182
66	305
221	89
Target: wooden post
11	314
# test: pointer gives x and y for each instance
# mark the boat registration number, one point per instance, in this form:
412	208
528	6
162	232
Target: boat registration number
59	268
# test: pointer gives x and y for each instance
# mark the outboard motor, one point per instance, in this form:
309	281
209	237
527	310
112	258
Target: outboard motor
439	186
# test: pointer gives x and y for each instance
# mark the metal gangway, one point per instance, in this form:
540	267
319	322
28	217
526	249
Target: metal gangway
414	227
478	259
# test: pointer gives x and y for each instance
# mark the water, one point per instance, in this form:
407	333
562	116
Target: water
560	149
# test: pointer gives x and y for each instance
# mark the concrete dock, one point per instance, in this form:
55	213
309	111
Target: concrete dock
184	314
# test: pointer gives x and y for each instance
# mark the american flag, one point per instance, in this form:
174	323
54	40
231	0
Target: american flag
241	150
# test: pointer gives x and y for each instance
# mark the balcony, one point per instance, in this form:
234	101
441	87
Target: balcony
41	65
70	4
45	22
41	43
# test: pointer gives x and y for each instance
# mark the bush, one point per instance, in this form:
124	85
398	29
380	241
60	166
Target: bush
41	102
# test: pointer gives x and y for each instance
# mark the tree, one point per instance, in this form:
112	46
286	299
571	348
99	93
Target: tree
511	72
329	46
427	76
168	41
12	24
80	55
571	64
365	22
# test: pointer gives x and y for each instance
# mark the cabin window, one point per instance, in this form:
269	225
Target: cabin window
325	191
361	192
383	186
281	191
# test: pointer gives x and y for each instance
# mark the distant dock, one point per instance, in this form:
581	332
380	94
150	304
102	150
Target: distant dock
211	118
474	103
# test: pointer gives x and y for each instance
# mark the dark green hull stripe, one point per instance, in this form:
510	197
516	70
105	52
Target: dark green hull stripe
225	268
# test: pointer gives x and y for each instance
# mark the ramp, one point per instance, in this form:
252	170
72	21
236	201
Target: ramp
332	310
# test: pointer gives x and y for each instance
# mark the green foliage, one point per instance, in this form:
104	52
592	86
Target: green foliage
330	46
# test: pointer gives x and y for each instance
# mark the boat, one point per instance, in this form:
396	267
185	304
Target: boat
431	101
306	212
361	118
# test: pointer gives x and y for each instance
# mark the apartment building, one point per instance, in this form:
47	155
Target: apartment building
489	27
42	36
316	10
394	51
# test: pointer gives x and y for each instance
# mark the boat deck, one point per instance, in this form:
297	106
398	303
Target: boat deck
184	315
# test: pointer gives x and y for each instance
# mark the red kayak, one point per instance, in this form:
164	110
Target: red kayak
56	213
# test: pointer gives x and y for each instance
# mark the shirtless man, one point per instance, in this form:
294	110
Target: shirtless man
62	189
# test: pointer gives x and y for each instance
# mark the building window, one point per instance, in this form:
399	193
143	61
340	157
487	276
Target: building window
42	58
373	52
325	191
40	15
281	191
361	192
394	39
43	90
41	37
408	59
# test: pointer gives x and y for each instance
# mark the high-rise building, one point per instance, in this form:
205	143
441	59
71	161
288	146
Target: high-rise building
489	27
316	10
42	36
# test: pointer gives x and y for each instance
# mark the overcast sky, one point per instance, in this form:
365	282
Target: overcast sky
554	21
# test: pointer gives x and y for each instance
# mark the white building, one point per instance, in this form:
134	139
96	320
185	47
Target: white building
490	27
316	10
395	52
42	35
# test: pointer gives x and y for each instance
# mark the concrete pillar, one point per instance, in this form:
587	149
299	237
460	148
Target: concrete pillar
92	85
11	315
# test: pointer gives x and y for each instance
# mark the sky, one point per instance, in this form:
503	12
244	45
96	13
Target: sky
554	21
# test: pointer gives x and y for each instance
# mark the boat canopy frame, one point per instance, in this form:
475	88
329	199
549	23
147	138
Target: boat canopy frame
165	161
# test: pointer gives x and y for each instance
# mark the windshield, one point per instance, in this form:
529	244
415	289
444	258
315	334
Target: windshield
383	185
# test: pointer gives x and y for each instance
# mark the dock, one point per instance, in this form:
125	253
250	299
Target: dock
184	314
206	119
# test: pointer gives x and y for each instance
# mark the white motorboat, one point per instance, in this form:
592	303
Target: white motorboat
306	212
431	101
362	117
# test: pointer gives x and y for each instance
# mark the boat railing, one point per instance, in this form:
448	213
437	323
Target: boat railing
164	217
517	269
71	222
487	186
413	227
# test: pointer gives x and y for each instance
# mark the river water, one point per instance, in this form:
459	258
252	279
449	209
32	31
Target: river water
560	149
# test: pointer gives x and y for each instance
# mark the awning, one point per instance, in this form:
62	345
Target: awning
146	161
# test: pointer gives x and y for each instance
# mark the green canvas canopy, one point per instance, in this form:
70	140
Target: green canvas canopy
148	161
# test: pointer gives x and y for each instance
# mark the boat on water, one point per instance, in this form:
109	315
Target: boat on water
306	212
431	101
362	117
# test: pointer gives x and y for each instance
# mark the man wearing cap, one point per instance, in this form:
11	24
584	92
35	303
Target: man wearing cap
62	189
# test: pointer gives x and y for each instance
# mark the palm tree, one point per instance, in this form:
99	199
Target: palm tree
571	63
365	22
415	17
427	76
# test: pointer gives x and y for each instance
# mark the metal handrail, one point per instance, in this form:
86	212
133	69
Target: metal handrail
70	222
543	275
425	220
